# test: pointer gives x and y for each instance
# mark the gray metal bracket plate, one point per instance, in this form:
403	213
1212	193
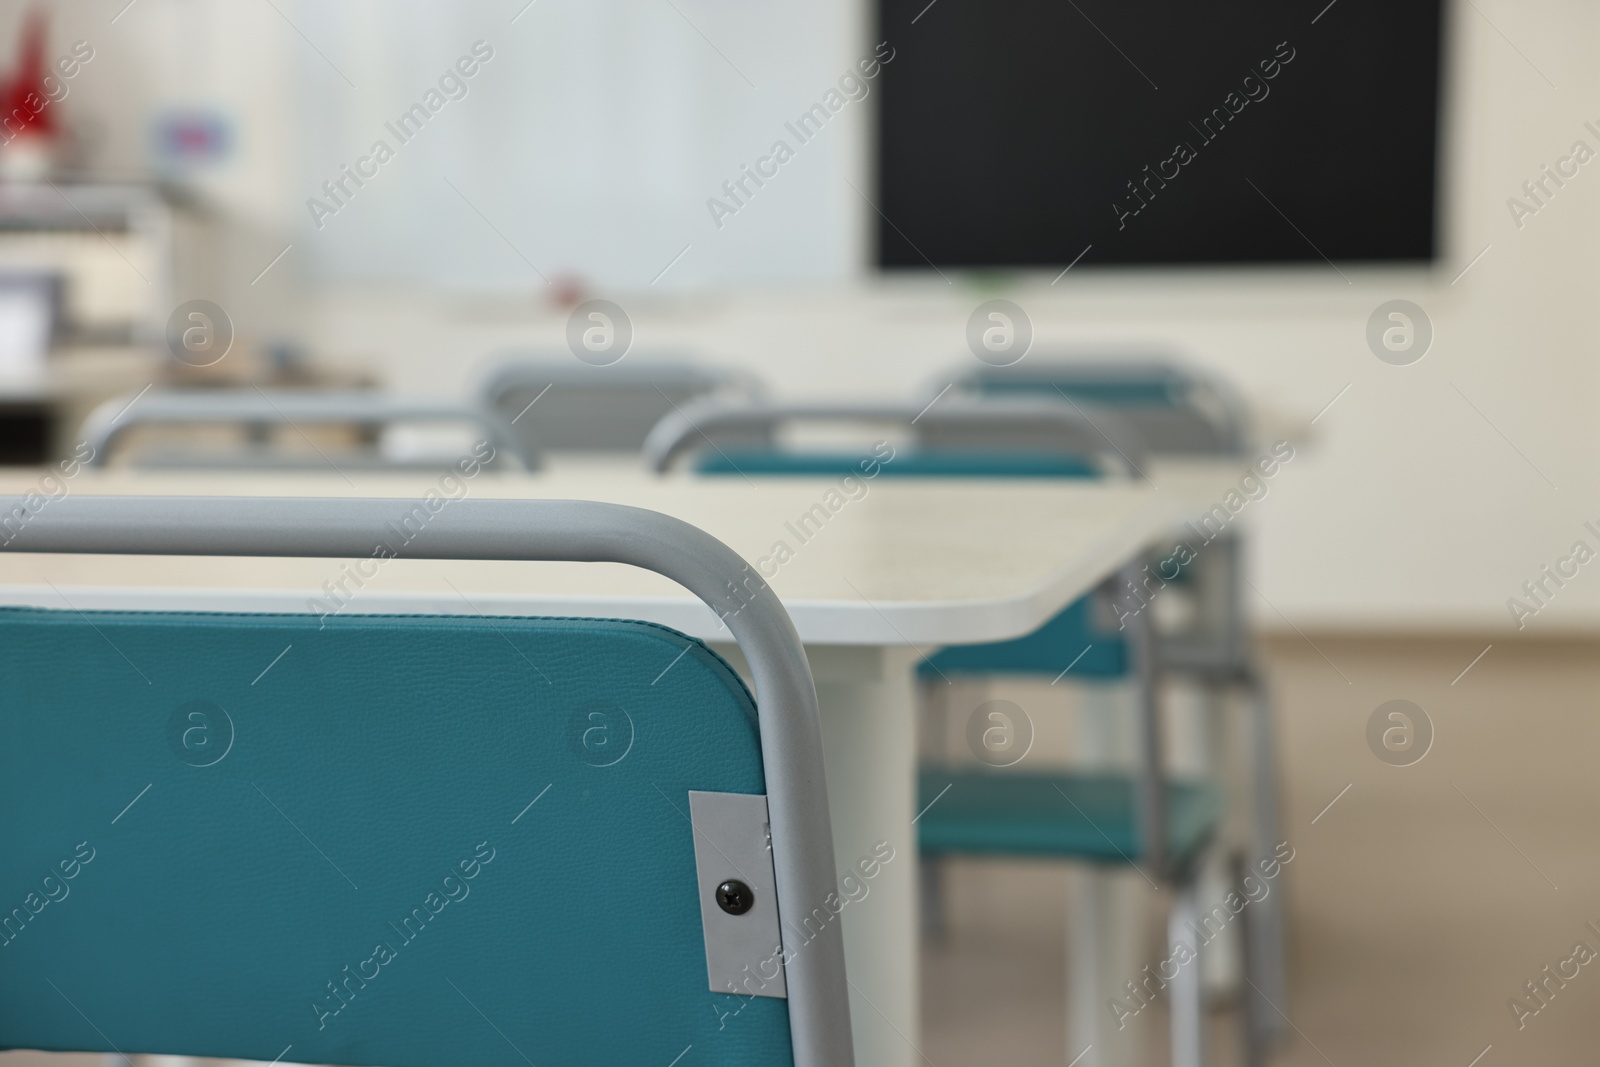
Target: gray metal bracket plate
732	840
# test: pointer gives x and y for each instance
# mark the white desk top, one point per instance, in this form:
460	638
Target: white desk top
911	563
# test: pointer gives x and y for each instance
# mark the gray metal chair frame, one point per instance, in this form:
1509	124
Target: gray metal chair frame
960	422
260	409
1070	426
1036	424
1033	425
786	699
503	385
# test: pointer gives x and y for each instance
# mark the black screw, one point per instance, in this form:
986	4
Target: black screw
734	897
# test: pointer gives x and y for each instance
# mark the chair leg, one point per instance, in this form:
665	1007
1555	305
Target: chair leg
933	703
1267	952
1221	965
1085	962
932	874
1255	1032
1188	999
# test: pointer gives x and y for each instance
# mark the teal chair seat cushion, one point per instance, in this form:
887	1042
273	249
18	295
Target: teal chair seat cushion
407	841
1070	639
1059	815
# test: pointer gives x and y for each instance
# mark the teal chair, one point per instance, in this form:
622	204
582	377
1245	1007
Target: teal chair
1111	819
1175	409
1181	411
415	840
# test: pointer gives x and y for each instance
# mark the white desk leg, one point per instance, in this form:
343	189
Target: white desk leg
1104	934
1188	1000
869	741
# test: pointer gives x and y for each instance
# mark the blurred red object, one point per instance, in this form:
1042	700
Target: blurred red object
24	96
567	291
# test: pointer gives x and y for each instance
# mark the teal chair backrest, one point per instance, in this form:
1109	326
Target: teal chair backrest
1175	409
1075	643
409	841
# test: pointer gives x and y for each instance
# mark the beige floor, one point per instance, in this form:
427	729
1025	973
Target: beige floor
1414	917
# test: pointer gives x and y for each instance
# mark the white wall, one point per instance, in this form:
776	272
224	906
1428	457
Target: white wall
1412	509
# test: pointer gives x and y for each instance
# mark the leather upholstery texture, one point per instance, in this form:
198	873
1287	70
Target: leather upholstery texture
383	840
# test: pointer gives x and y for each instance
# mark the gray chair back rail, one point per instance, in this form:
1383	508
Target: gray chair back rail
970	424
1203	414
953	423
577	530
264	408
598	409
